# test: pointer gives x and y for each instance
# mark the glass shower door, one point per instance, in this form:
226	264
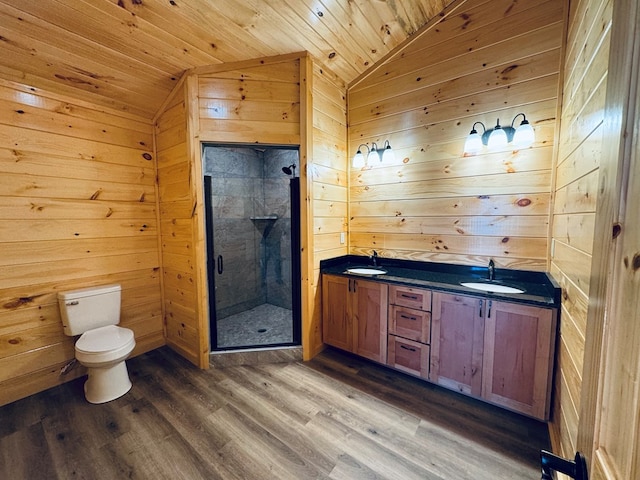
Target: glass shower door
249	249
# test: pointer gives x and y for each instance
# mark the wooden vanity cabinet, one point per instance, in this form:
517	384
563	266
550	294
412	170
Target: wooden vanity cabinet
409	330
354	316
499	351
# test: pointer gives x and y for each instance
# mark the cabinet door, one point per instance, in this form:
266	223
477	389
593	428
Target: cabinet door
369	314
457	336
517	365
337	328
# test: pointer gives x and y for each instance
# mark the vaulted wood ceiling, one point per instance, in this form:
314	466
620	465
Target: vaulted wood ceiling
128	54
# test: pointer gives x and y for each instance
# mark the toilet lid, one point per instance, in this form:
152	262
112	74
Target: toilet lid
104	339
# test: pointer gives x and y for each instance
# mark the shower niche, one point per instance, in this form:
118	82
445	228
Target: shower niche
253	261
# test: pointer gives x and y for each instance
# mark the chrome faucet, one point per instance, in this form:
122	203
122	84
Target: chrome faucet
374	258
492	270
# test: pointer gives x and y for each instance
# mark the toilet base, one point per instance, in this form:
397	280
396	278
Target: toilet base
107	383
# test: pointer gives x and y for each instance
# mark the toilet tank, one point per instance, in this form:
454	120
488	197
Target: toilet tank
89	308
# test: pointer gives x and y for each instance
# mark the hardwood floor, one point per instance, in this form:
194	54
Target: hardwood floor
335	417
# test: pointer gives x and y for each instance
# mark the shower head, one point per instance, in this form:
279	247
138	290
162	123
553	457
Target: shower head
290	170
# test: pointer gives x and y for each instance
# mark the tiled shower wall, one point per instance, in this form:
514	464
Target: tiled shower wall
248	184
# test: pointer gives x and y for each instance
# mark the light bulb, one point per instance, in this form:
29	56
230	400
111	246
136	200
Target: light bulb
388	157
373	156
498	138
358	160
524	135
473	144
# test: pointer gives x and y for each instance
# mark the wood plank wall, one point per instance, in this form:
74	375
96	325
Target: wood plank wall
77	209
176	228
329	172
580	149
479	62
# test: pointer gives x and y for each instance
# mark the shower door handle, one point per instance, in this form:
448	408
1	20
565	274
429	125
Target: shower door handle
220	265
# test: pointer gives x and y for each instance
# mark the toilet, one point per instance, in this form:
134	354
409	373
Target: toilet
103	346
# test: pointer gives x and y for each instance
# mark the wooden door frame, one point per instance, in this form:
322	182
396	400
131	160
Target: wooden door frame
620	110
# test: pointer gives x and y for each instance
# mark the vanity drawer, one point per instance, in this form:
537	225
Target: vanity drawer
410	323
408	356
410	297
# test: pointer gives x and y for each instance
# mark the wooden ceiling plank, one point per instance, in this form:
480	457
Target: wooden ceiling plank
49	67
22	23
330	24
315	43
76	67
370	40
379	18
226	17
520	21
190	30
123	35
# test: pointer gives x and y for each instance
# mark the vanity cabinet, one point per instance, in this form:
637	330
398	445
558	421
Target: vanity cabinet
354	316
498	351
409	330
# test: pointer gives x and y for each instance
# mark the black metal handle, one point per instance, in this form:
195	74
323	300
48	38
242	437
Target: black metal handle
407	317
408	348
480	313
576	468
220	265
410	297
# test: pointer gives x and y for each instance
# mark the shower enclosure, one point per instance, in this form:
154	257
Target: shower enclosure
253	262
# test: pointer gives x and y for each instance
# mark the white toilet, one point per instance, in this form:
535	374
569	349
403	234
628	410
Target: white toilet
103	346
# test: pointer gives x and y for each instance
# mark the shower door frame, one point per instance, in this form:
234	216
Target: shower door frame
296	259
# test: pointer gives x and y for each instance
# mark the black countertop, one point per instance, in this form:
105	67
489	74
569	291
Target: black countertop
539	287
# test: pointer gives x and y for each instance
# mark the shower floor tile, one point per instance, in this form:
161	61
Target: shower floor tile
265	324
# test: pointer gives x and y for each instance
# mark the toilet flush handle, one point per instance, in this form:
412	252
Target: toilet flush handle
70	304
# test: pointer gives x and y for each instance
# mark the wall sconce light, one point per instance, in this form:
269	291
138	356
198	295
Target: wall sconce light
384	156
499	136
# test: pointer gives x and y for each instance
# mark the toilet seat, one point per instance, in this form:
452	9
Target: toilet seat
104	344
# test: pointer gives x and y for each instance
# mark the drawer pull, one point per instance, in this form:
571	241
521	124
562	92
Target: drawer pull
411	349
407	317
410	297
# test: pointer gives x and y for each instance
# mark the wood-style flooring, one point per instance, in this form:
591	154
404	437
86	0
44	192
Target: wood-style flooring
335	417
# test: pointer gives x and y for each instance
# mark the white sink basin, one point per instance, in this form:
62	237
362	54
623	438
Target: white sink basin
366	271
491	287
